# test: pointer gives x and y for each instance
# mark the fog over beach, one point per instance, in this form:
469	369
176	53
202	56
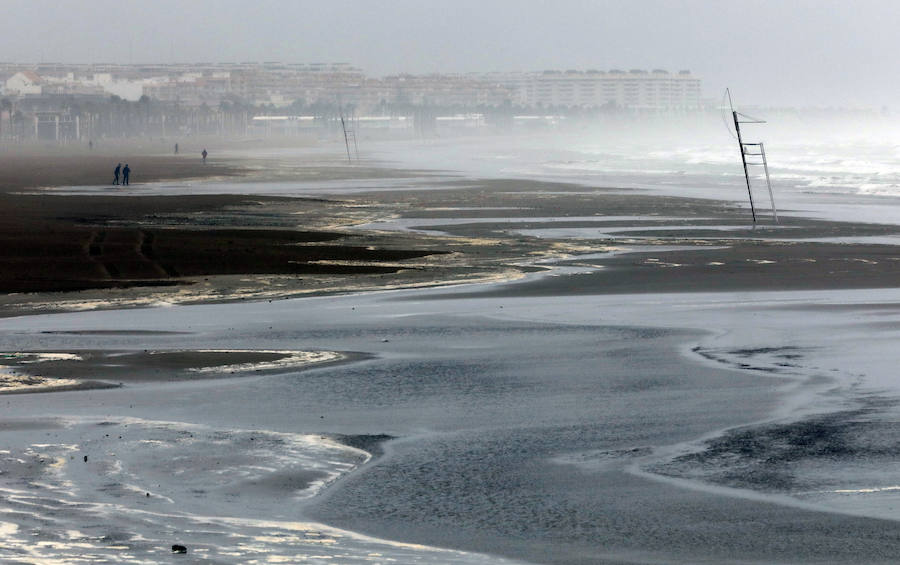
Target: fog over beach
453	325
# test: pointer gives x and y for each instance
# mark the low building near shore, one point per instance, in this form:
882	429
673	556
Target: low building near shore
24	83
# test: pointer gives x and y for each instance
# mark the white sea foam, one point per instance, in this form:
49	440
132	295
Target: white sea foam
225	494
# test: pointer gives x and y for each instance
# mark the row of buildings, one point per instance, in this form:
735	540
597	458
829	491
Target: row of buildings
280	85
637	89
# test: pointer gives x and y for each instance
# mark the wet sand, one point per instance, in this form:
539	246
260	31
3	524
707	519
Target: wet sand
65	251
628	242
140	250
21	169
473	468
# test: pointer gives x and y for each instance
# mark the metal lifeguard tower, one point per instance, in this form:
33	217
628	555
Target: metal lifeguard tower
752	155
349	136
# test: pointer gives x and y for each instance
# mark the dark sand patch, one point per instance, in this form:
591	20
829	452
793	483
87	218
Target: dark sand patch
69	258
113	332
373	444
24	384
872	307
36	424
108	368
203	248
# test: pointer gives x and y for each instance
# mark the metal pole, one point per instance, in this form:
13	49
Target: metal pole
737	128
346	140
762	151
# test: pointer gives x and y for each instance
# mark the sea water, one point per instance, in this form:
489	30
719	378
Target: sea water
831	168
547	430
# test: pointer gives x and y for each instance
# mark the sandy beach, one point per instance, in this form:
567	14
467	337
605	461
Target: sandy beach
139	249
561	373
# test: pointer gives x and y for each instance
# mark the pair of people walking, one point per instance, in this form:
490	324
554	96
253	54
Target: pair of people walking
126	172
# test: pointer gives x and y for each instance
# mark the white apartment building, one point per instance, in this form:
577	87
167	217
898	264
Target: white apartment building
634	89
281	84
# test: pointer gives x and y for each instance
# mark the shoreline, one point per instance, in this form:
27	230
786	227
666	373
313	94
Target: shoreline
139	250
79	370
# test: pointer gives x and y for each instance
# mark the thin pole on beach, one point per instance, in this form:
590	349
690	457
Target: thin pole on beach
762	151
346	139
747	150
737	129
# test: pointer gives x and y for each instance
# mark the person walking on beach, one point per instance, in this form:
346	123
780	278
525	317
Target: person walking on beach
176	149
116	173
125	172
204	154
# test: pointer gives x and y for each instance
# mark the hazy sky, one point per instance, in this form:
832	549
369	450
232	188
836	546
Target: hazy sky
819	53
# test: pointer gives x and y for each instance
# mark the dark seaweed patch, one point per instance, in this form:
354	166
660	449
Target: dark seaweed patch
767	457
762	359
